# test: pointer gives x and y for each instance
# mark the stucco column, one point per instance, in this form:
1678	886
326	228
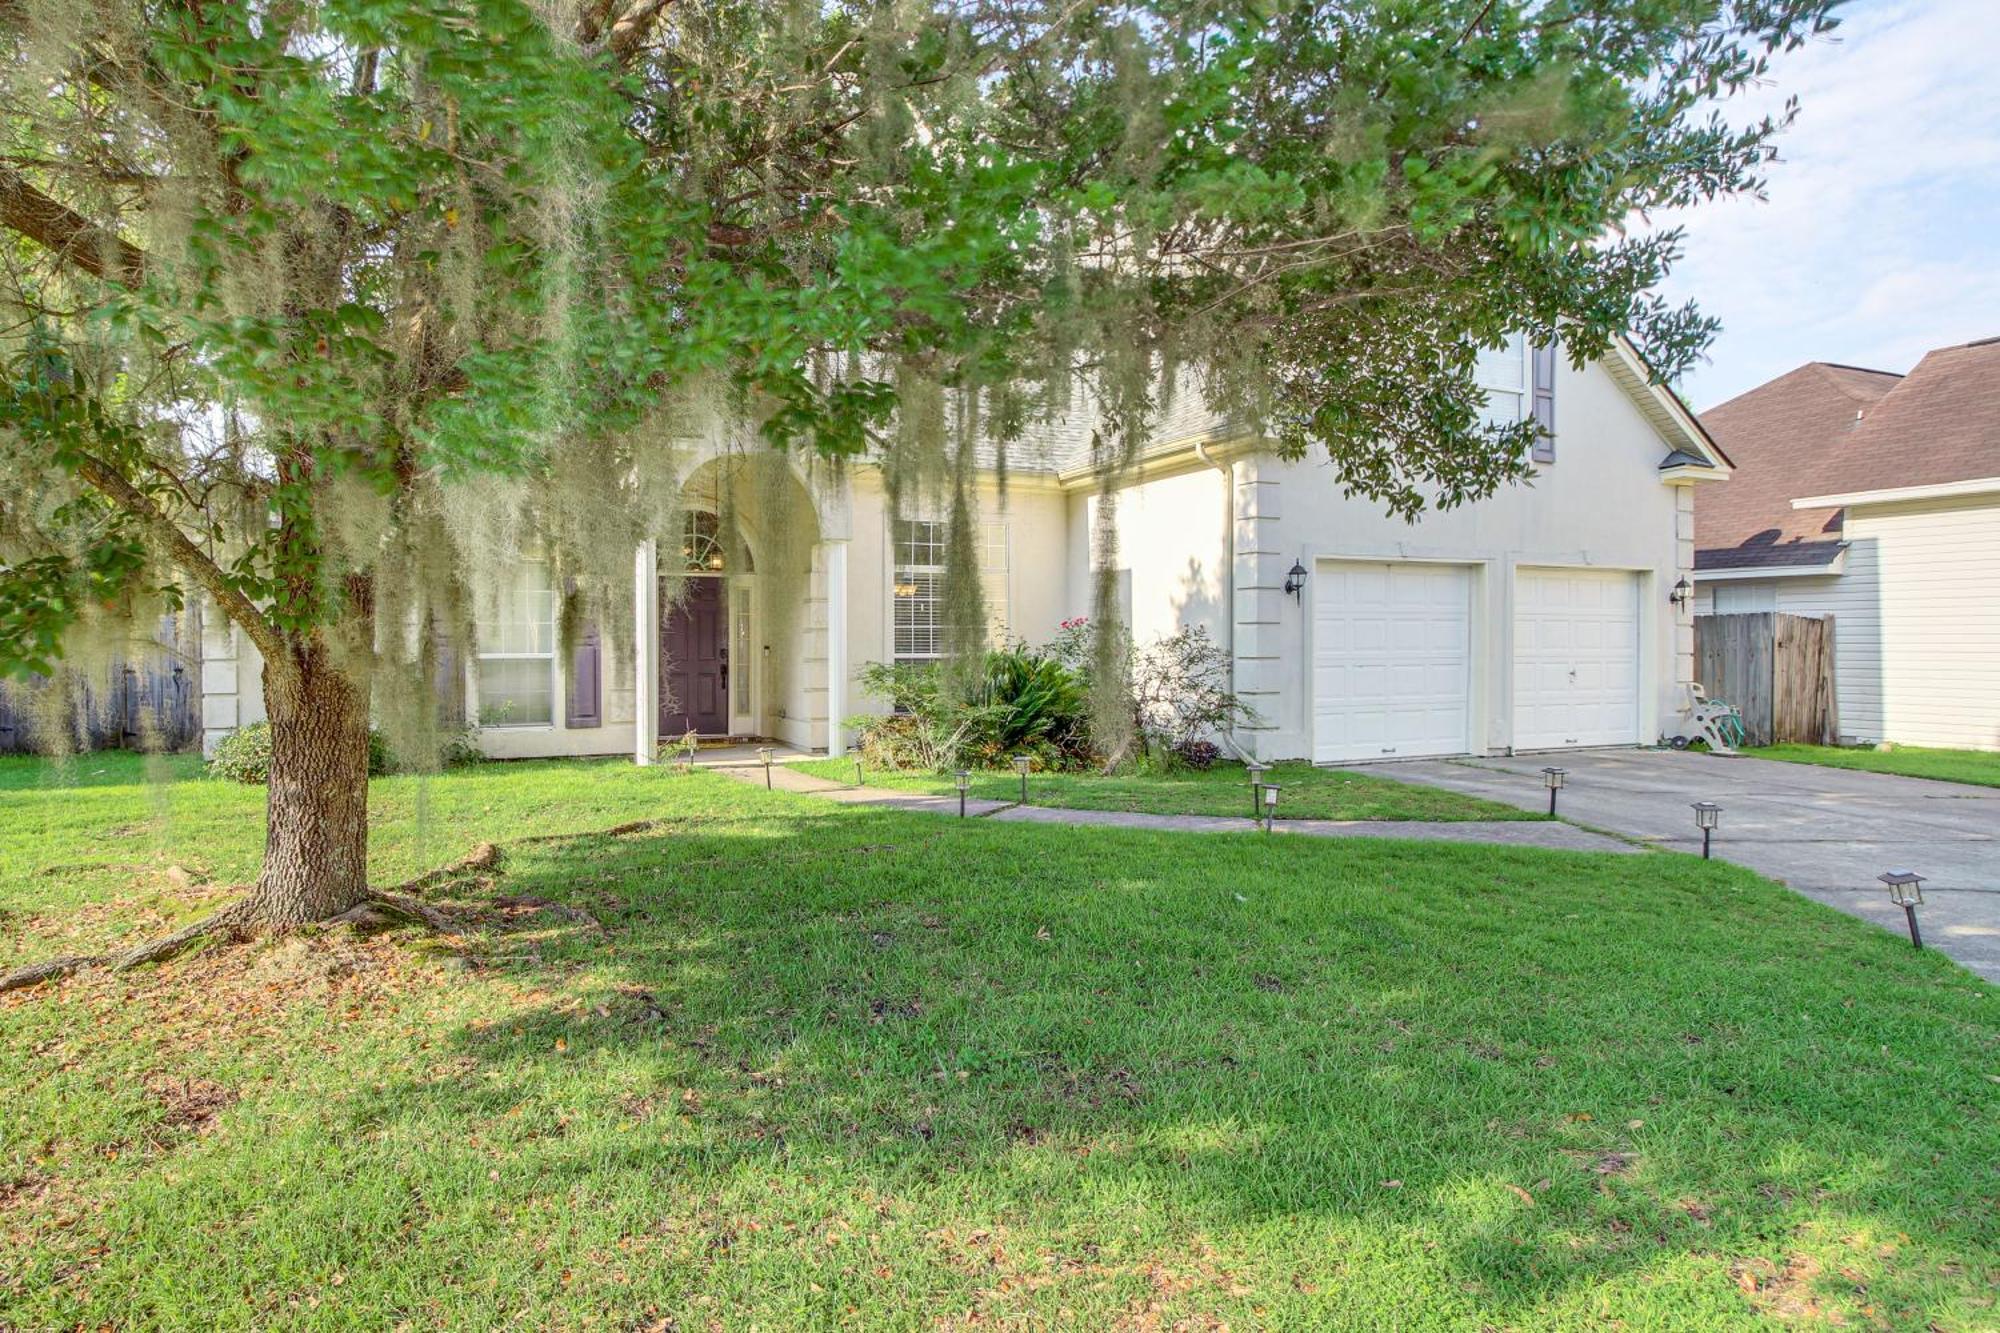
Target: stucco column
645	653
836	644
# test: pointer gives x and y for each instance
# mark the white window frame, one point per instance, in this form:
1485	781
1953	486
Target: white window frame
995	565
553	656
1491	375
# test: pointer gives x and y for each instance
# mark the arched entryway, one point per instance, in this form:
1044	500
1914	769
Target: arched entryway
741	612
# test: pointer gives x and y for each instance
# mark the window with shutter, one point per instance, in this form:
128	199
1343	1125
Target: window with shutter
1544	404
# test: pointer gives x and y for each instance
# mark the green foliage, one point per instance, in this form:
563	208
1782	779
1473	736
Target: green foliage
244	755
1023	702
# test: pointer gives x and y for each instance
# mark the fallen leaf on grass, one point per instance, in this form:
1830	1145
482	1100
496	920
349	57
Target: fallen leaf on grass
1526	1197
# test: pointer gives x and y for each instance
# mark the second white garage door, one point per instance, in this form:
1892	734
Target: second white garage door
1576	658
1392	656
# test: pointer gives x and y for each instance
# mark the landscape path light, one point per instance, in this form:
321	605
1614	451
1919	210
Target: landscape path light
1707	814
1554	778
764	753
1270	805
1906	890
1021	763
964	780
1256	772
857	770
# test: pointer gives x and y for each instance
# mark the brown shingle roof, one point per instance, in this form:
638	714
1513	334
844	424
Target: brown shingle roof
1779	435
1940	424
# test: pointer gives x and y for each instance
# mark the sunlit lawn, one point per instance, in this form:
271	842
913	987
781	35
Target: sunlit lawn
1304	792
831	1067
1976	766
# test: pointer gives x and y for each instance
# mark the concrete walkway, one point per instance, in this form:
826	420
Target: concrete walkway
1826	832
1512	833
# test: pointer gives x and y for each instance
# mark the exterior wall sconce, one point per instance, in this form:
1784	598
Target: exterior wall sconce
1270	805
1295	580
764	754
1906	890
1707	814
964	780
1553	779
1021	763
1682	594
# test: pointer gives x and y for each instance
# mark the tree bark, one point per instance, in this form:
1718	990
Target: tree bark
316	845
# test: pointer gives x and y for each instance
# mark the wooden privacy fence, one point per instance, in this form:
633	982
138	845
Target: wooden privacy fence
1776	668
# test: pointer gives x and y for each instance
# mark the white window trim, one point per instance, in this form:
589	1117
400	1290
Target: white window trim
557	694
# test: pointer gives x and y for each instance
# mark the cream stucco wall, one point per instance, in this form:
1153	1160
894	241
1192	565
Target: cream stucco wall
1601	505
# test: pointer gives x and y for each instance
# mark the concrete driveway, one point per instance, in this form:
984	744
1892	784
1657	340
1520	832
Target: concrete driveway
1826	832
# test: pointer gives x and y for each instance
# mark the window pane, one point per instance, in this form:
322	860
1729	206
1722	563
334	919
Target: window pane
515	691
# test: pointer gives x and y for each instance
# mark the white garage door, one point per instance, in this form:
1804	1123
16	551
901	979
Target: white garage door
1392	649
1576	658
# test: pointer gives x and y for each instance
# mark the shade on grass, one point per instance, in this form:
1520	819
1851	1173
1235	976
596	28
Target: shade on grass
1304	792
827	1066
1981	767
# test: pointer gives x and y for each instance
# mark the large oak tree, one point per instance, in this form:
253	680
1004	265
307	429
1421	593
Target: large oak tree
278	278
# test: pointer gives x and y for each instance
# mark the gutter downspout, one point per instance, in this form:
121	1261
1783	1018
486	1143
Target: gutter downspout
1228	471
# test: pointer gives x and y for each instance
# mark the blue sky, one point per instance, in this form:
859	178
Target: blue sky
1880	238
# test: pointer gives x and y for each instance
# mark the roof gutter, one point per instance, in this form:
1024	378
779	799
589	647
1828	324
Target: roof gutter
1742	572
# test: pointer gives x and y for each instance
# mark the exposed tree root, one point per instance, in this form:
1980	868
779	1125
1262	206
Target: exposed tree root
380	907
233	919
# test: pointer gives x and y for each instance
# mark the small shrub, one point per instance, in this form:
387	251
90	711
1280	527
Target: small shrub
1198	755
1020	702
244	755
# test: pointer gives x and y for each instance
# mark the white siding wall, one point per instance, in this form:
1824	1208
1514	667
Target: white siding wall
1917	628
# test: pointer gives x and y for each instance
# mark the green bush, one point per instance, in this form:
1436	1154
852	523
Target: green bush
244	755
1021	702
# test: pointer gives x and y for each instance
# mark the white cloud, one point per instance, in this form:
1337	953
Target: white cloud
1877	242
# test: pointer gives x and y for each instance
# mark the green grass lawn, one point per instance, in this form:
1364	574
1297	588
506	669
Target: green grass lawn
845	1067
1304	792
1976	766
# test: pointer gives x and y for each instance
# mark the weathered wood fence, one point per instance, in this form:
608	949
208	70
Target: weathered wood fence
1776	668
152	702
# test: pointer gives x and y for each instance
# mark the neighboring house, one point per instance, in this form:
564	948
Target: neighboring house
1873	498
1541	618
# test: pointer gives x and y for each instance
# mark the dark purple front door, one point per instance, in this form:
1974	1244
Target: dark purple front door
694	662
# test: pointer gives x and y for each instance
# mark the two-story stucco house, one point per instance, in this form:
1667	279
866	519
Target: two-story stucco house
1546	617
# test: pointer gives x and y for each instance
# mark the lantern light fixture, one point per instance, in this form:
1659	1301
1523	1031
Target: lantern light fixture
1295	580
1270	805
764	754
1906	890
1707	815
1021	764
964	780
1553	779
857	771
1682	594
1256	772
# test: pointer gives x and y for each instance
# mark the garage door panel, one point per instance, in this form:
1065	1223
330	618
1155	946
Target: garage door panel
1392	666
1576	658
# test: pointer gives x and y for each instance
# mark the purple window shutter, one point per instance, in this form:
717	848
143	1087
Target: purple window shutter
585	705
449	682
1544	403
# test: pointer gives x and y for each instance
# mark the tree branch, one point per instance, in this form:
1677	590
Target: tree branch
68	234
239	608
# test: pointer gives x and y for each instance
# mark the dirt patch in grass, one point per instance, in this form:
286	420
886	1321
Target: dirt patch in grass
189	1103
1782	1293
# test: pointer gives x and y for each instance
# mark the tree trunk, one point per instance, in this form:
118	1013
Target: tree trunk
316	846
